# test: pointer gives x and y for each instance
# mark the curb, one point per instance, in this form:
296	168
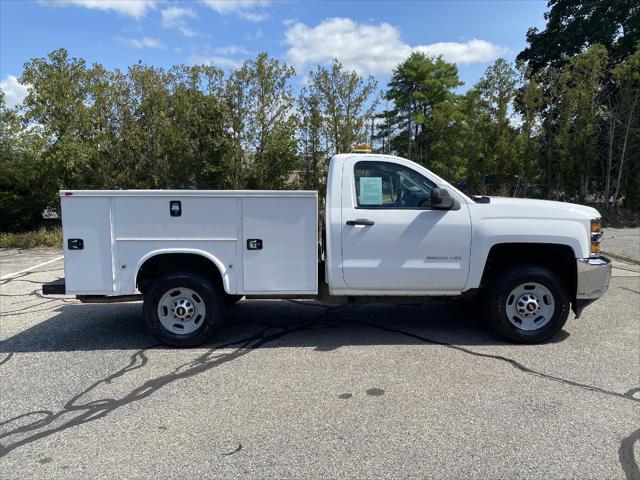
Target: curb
621	257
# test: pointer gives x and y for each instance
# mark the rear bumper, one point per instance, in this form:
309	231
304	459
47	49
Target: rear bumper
57	287
594	275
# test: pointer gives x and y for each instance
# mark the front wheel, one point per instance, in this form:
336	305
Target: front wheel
183	309
527	304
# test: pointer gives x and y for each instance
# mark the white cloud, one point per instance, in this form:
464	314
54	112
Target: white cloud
255	36
175	17
214	60
254	16
473	51
144	42
132	8
247	9
231	50
372	49
227	56
14	91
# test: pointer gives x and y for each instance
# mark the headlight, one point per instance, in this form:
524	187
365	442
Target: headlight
596	236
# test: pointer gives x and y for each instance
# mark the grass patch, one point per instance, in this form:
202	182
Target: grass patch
45	237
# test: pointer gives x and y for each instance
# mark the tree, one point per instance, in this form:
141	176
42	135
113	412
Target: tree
475	149
148	128
313	147
570	123
335	108
420	86
528	103
626	76
496	90
199	151
588	113
260	103
57	104
26	188
584	83
574	25
345	102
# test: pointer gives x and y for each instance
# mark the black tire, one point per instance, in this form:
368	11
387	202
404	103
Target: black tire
496	297
213	302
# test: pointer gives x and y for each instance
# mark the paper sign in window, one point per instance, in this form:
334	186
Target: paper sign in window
370	190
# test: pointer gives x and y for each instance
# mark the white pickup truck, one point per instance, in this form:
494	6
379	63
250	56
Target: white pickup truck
393	232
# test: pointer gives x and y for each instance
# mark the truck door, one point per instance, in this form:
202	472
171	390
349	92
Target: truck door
392	239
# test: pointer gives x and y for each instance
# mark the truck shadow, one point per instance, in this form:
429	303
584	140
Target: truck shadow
89	327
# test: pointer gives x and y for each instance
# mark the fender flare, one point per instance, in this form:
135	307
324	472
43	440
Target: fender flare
190	251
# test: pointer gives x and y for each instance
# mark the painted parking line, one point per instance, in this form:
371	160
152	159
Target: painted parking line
11	275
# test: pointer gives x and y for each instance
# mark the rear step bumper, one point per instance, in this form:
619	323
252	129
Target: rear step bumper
57	287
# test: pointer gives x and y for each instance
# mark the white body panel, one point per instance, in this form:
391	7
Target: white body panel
122	229
407	251
392	256
515	220
288	261
92	266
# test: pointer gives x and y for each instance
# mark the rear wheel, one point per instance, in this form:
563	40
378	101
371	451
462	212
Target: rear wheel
183	309
527	304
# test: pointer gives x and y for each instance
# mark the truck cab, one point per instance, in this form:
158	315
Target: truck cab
385	233
393	231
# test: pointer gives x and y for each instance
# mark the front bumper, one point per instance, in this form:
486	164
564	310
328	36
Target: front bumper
594	275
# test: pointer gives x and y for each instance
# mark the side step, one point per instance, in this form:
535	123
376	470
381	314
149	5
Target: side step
110	299
57	287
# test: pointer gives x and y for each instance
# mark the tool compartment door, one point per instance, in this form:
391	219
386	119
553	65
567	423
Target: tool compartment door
280	245
88	270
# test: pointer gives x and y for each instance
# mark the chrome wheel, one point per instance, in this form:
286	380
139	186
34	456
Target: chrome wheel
530	306
181	310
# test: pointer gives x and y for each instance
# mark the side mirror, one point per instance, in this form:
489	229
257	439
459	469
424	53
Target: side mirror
441	199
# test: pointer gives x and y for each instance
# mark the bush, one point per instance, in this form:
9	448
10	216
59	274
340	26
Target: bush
27	188
38	238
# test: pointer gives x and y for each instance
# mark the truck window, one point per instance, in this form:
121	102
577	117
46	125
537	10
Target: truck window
390	185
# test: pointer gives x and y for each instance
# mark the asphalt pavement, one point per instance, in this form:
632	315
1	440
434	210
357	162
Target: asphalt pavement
624	243
304	390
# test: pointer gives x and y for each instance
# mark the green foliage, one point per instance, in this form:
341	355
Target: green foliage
564	123
425	118
26	187
344	102
496	90
335	109
187	127
87	127
38	238
262	102
625	113
313	147
573	25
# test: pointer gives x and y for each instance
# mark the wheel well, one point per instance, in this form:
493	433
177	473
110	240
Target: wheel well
164	263
560	259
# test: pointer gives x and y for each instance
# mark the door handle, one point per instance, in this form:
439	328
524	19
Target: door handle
360	222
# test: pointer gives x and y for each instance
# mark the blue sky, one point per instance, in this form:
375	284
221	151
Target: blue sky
368	36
